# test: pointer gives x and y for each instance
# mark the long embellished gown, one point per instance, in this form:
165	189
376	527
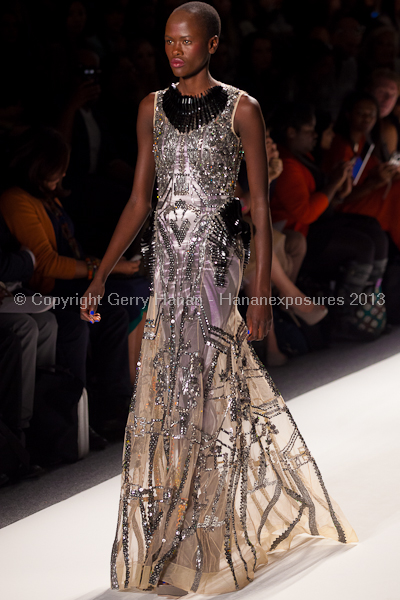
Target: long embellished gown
216	474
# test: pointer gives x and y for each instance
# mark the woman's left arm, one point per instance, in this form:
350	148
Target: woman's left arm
250	127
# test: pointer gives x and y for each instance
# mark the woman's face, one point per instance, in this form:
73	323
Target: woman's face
386	93
53	181
186	44
304	139
76	18
327	137
363	117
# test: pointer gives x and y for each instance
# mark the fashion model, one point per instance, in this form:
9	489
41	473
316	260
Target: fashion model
215	474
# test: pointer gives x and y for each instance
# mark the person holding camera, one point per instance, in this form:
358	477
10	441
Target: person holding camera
95	173
377	192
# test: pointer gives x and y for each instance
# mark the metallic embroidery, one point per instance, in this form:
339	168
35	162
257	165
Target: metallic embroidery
215	471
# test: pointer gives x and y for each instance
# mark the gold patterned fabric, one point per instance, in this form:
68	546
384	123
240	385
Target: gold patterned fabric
216	474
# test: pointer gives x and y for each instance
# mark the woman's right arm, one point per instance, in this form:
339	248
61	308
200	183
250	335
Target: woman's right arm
136	210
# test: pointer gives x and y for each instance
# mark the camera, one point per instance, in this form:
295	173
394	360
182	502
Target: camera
90	74
395	159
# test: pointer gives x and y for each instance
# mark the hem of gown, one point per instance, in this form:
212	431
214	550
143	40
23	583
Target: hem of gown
183	577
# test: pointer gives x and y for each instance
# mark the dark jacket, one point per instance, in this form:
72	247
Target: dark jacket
15	264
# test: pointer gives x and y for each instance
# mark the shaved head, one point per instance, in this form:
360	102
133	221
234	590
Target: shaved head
206	13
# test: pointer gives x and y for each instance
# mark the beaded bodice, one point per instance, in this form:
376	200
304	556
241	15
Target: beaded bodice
202	163
216	475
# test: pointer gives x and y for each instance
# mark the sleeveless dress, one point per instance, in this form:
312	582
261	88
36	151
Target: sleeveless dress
216	474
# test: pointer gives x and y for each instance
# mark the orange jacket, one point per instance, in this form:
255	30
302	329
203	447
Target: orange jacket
295	199
29	222
341	150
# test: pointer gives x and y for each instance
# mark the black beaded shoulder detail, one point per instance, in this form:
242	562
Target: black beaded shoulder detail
186	113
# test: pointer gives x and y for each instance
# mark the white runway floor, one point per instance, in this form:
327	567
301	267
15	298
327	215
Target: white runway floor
351	426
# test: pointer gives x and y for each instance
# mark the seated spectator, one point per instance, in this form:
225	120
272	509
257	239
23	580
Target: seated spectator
290	246
288	254
384	86
37	332
43	340
14	458
296	198
351	249
377	193
34	214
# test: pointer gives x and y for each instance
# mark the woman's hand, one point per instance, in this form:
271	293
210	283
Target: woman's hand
275	165
126	267
337	179
345	190
86	92
259	318
272	150
341	173
275	168
90	301
383	174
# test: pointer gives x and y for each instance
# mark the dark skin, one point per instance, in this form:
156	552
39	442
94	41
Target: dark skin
187	40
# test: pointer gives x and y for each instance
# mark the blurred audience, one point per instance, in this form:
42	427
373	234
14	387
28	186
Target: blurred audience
110	35
82	68
96	174
289	249
37	332
143	57
384	86
377	192
349	249
35	215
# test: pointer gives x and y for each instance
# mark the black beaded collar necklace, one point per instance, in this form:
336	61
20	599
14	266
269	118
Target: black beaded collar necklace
186	113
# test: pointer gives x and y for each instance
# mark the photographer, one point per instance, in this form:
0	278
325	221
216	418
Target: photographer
95	173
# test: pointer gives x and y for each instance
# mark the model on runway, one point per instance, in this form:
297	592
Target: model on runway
215	472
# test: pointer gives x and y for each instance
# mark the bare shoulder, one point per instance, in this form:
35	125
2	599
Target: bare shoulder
248	112
146	108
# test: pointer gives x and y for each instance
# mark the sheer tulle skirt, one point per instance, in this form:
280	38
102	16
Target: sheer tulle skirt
215	474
